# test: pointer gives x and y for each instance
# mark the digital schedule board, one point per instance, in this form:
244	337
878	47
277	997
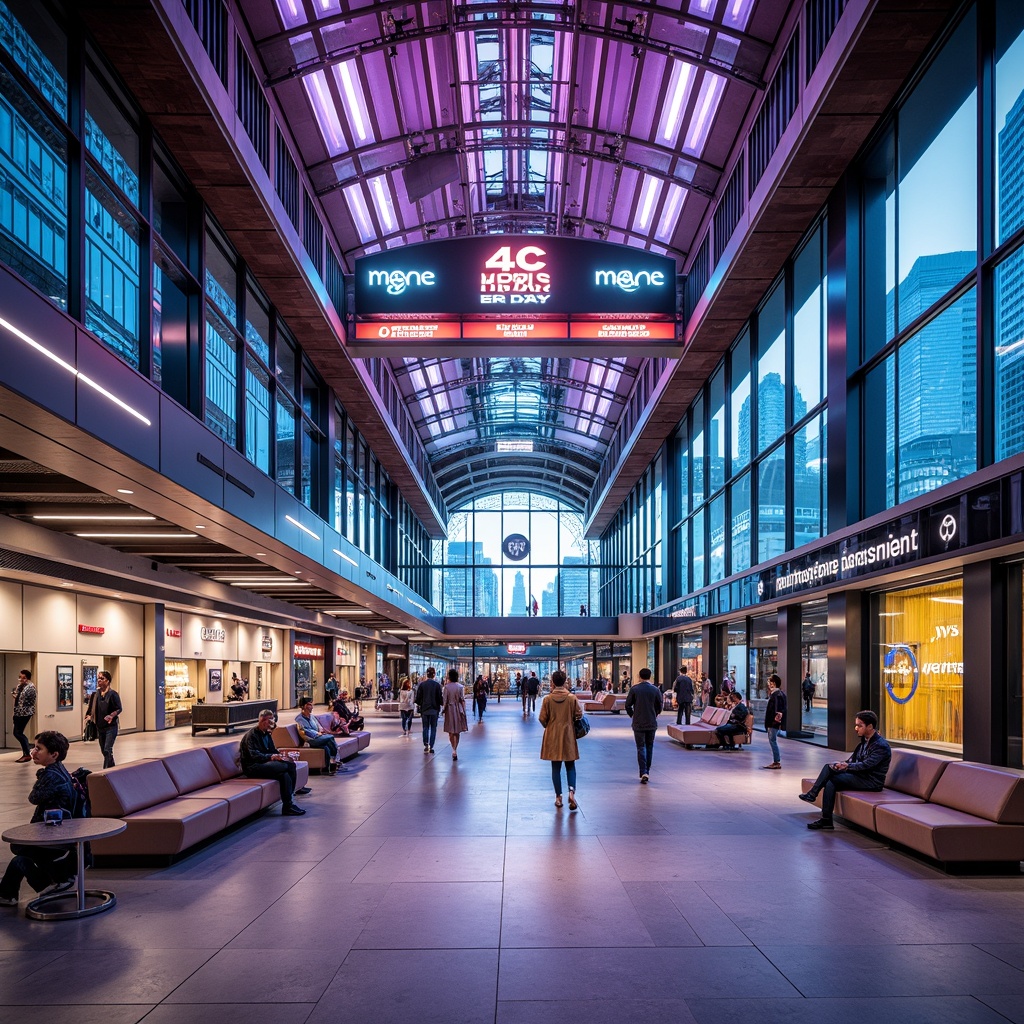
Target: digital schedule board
542	295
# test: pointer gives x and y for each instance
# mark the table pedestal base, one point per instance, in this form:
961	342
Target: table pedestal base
95	902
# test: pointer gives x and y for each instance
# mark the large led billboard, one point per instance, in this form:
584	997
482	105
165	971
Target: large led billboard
515	275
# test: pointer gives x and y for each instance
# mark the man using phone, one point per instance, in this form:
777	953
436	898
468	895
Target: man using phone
865	770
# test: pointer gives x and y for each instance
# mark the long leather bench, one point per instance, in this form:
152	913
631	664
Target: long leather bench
702	732
955	812
171	803
606	701
286	738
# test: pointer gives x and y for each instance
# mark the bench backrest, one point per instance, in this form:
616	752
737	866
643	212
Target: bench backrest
993	793
913	773
719	716
115	792
191	770
227	759
286	736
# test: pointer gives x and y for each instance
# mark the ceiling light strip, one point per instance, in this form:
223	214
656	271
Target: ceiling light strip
304	529
88	381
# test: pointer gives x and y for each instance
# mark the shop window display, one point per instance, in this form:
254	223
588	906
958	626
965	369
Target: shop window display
921	665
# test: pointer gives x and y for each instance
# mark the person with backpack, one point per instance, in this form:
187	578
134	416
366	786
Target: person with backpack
46	868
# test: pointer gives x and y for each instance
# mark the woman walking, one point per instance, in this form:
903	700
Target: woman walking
406	705
558	715
454	711
24	709
479	698
104	711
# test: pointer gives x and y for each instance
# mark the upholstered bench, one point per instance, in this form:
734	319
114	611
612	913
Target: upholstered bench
171	803
702	732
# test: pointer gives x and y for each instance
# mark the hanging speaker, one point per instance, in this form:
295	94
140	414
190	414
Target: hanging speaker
428	173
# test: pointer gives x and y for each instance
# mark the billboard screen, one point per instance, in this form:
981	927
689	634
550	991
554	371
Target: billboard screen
511	275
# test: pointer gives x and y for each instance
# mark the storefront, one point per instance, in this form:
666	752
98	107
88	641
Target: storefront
66	639
308	669
202	654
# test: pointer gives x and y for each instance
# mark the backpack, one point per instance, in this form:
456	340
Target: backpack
81	807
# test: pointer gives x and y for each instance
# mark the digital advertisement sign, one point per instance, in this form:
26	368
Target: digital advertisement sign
510	275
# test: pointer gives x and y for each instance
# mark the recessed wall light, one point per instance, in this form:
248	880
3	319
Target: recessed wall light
199	526
124	490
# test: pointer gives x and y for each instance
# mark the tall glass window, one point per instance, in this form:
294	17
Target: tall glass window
1009	355
739	511
771	369
716	432
937	409
740	403
809	465
937	145
771	505
808	327
1009	118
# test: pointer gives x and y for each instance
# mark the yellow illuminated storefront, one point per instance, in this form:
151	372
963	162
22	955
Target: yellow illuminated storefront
922	665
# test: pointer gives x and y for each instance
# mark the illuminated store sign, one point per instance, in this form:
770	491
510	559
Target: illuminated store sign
308	651
515	274
407	331
217	636
266	643
516	648
97	630
173	632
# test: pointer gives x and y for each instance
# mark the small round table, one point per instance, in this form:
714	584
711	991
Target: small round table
74	831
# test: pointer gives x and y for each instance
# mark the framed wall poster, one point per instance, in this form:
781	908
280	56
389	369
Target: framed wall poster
89	683
215	678
65	687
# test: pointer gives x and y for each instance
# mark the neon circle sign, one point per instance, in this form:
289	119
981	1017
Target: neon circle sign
900	670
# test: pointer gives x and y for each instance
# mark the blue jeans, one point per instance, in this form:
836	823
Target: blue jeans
407	721
328	743
429	727
773	742
644	749
556	775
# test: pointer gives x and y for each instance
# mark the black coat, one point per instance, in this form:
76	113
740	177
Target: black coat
776	703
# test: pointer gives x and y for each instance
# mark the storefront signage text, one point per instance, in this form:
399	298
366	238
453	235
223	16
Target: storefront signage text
173	632
874	556
517	648
266	642
308	651
97	630
211	633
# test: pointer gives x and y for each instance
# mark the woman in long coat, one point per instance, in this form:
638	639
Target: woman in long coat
558	715
454	711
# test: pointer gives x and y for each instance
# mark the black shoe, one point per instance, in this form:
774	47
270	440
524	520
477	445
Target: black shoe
822	824
303	791
807	797
431	749
292	809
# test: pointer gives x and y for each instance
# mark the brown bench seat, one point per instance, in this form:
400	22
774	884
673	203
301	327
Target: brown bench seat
171	803
702	732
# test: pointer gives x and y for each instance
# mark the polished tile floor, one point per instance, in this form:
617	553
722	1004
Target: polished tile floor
423	890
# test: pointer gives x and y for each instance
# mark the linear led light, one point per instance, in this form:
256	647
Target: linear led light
326	113
248	579
384	204
341	554
140	536
99	519
648	196
513	446
707	105
948	600
88	381
355	104
360	212
678	88
669	218
304	529
279	583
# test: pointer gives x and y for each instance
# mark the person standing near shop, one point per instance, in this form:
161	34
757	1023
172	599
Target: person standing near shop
532	690
331	689
24	708
807	689
774	718
559	712
104	711
479	697
643	705
683	688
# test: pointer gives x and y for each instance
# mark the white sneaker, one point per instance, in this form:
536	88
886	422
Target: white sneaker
58	887
8	901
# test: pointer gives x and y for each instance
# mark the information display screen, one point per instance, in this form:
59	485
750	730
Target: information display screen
511	275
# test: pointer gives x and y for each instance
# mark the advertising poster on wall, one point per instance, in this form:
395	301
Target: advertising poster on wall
215	680
65	687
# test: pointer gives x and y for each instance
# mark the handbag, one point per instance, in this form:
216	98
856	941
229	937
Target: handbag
581	726
90	733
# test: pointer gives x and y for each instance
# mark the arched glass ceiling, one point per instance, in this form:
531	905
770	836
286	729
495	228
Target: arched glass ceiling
441	119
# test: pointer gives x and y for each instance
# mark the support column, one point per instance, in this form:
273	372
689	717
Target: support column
847	666
790	668
153	662
985	663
